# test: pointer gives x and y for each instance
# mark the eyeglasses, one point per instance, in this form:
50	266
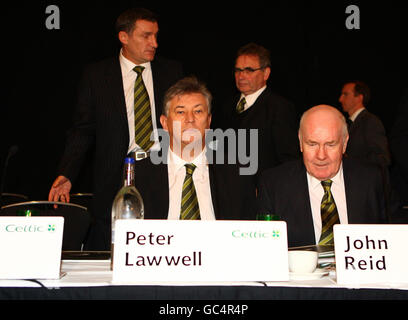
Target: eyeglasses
247	70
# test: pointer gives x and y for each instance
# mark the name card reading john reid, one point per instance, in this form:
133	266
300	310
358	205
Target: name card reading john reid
371	254
172	250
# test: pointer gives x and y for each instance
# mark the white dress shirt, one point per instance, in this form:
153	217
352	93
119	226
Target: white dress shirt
354	116
201	179
129	77
251	98
316	193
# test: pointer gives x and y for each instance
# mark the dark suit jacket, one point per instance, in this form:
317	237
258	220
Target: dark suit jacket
233	196
276	121
101	122
399	150
368	141
284	191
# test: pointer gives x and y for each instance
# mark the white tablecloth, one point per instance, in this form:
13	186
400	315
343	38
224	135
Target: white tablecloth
90	273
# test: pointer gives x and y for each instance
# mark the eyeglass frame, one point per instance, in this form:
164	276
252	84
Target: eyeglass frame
248	70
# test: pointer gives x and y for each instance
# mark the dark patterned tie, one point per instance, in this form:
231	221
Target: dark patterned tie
329	215
189	202
349	123
143	115
241	105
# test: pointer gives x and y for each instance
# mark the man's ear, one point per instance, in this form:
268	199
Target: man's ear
345	143
123	37
300	141
163	121
267	73
360	98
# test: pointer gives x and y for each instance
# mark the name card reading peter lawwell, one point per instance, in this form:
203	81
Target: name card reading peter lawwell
371	253
170	250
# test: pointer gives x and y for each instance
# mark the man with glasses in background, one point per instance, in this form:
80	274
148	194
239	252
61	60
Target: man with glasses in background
257	107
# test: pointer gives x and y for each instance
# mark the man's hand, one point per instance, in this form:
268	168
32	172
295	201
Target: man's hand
60	190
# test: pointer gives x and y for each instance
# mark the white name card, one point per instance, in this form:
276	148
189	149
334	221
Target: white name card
30	247
172	250
371	254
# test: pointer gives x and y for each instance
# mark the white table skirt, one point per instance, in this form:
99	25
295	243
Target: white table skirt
94	273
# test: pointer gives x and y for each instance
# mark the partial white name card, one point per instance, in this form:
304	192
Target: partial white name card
182	250
30	247
371	254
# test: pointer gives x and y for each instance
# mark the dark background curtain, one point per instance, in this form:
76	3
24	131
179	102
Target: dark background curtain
312	53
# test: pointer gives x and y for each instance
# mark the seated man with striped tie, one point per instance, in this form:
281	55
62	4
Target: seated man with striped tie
324	189
187	184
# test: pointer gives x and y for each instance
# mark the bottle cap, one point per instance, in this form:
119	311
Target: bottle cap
267	217
129	160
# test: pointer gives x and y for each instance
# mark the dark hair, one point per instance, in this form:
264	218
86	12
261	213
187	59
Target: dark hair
253	49
126	20
362	88
184	86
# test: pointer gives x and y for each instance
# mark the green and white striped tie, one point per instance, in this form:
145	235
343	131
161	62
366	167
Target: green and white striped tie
143	114
329	214
189	202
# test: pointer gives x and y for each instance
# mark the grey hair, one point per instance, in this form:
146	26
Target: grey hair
185	86
253	49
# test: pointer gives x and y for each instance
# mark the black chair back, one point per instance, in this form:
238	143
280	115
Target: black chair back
83	199
10	198
76	218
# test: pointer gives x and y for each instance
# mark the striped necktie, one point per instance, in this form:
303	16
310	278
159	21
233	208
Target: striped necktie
329	214
189	202
143	114
241	105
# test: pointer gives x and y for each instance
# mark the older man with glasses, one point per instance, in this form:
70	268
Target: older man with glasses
257	107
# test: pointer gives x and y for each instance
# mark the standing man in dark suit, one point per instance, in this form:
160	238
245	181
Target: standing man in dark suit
257	107
106	116
324	189
368	141
219	190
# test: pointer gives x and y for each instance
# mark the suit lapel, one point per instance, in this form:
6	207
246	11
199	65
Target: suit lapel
357	122
164	188
114	84
307	220
157	74
300	217
160	178
212	175
152	181
352	191
305	190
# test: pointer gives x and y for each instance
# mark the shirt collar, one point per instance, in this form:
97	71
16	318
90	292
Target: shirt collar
251	98
316	183
127	65
355	114
176	163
